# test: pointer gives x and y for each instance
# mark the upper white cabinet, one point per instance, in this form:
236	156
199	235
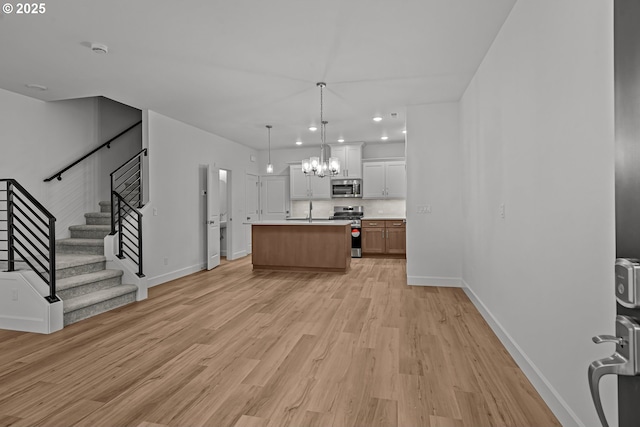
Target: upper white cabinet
317	188
350	156
384	180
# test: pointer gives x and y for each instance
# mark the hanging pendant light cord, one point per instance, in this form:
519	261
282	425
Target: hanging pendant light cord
269	127
322	136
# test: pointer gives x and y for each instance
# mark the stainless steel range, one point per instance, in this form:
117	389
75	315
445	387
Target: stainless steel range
355	214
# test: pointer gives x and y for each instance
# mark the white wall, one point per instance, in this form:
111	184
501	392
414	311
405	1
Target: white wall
115	117
537	135
433	178
39	138
176	152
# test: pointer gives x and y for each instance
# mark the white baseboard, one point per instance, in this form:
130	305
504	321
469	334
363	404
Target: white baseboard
239	254
449	282
552	398
172	275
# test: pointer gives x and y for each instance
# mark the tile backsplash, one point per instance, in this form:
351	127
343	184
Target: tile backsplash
373	208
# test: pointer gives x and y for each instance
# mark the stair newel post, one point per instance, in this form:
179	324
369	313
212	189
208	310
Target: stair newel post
113	214
119	227
142	165
139	159
140	274
10	231
52	261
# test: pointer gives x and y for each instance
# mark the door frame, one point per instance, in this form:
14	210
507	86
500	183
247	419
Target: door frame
229	236
212	222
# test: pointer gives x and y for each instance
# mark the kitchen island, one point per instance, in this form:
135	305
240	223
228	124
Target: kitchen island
301	245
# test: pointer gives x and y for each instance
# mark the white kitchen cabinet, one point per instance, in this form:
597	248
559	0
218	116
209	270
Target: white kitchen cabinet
317	189
350	156
384	180
396	178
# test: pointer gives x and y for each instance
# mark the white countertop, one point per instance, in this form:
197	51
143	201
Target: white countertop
301	222
387	218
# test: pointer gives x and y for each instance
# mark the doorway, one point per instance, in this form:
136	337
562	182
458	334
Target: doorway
226	228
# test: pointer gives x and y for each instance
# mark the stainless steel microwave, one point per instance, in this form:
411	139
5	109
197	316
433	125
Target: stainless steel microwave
346	188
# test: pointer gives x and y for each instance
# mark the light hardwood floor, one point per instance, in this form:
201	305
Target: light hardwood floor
233	347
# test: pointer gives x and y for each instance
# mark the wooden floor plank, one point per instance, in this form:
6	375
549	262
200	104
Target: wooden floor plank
234	347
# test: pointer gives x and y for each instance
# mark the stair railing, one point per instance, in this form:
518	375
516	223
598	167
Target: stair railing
127	197
27	234
127	181
128	222
107	144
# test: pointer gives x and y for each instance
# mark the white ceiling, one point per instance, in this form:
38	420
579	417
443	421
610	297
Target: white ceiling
231	67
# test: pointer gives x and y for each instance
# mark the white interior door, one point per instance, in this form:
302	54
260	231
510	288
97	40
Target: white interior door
252	204
213	217
274	197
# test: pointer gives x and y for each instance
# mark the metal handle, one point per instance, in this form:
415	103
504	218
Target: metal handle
611	365
625	361
373	223
387	234
599	339
383	234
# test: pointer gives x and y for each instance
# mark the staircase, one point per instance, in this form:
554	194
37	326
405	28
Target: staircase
84	285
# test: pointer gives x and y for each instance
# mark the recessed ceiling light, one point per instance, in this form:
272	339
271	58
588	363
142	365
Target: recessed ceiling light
377	118
341	140
313	128
384	138
298	142
99	48
36	87
404	131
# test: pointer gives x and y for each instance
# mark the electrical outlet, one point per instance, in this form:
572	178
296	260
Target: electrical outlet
424	209
14	295
502	214
166	261
155	211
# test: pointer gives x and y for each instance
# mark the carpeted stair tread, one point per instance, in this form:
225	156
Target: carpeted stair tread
75	260
97	215
97	297
90	227
105	206
80	242
83	279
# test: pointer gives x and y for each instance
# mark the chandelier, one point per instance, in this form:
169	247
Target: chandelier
321	166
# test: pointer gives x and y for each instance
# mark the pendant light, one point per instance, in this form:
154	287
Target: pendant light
269	165
321	166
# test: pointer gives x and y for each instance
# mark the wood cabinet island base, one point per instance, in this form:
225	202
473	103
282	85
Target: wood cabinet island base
301	246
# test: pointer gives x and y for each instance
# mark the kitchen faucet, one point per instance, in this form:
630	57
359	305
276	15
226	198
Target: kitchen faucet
310	209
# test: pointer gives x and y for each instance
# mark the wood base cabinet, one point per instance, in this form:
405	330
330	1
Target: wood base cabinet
384	237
